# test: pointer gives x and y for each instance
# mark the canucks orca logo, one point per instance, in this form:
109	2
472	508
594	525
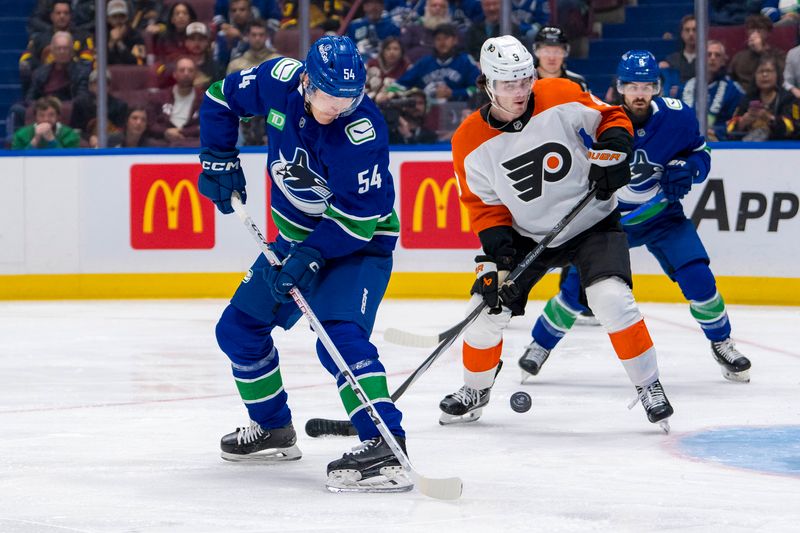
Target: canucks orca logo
303	187
644	174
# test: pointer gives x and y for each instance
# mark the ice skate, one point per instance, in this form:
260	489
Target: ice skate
734	365
466	404
370	467
655	404
257	444
532	360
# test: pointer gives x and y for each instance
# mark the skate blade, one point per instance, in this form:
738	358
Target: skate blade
525	376
270	455
446	419
391	479
736	377
664	425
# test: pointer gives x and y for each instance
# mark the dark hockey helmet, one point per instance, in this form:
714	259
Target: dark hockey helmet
334	66
550	35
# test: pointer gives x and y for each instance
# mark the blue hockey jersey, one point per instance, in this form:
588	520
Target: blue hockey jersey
331	186
671	132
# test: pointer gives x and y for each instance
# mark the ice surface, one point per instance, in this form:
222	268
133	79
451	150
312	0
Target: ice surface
111	415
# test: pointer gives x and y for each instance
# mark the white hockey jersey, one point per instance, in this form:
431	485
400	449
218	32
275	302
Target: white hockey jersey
530	174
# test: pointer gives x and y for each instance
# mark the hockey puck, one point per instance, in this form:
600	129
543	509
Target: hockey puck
520	402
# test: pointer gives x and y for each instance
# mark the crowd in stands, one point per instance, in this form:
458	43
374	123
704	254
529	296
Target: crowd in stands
421	57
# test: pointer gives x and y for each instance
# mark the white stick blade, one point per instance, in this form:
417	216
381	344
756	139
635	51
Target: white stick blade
412	340
441	489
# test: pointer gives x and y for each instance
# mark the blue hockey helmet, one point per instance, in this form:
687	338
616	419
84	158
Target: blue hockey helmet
638	66
334	66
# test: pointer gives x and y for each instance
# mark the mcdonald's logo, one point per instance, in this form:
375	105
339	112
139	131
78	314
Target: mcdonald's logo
167	211
431	214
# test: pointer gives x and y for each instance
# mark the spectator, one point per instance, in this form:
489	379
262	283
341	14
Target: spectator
230	44
38	50
550	48
405	117
724	94
326	15
174	114
463	13
791	73
46	131
477	34
781	13
146	14
198	47
65	78
744	63
267	10
81	14
683	59
84	108
385	69
134	133
530	16
444	75
767	111
125	44
368	31
417	38
259	48
170	43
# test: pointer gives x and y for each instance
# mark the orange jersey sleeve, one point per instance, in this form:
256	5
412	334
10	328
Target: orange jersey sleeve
550	92
472	133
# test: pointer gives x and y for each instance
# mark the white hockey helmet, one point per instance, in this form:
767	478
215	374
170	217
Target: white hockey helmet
504	58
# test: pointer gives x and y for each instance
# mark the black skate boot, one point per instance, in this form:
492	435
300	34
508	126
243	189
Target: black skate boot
655	404
370	467
532	360
466	404
255	443
735	366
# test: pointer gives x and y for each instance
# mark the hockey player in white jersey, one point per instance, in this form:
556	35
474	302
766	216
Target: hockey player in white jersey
522	162
670	155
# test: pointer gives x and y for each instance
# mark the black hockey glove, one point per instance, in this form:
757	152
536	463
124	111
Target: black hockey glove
490	273
610	168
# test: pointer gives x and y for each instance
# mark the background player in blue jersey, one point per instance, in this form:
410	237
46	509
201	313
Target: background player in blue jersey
332	201
670	156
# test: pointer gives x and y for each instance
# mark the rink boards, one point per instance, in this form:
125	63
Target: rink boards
111	224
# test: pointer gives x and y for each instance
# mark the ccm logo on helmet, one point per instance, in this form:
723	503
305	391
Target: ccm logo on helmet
219	166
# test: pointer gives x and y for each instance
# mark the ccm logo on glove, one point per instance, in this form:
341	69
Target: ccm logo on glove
219	166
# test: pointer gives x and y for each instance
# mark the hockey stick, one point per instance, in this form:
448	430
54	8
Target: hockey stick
319	426
416	340
439	488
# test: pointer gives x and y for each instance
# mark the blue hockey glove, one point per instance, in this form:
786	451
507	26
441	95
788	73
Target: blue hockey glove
221	175
677	178
298	271
610	169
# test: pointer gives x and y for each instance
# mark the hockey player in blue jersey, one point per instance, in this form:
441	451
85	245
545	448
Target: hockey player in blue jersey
332	201
670	156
